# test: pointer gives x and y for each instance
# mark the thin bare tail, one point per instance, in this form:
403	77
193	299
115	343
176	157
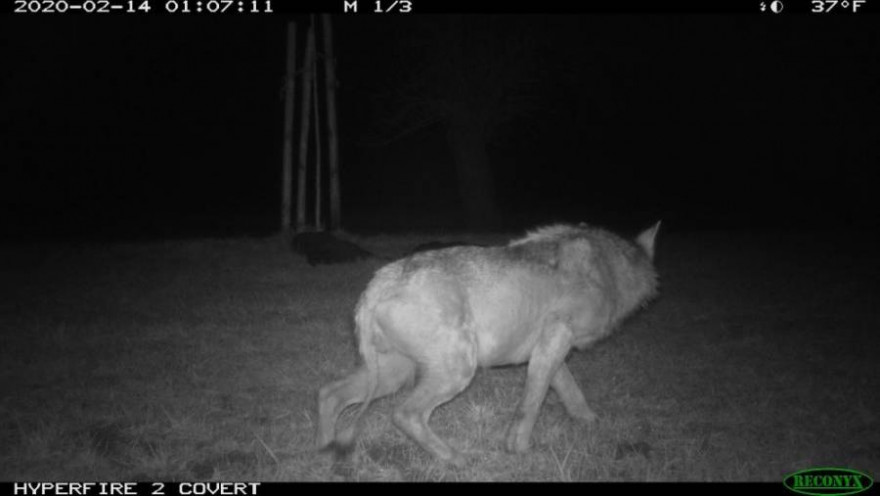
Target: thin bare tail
344	442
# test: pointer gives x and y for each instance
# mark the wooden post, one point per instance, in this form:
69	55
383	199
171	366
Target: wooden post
332	139
287	155
305	110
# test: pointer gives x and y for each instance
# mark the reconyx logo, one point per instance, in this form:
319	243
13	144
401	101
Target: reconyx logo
828	481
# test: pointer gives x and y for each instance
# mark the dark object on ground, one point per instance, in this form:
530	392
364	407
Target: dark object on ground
324	248
438	245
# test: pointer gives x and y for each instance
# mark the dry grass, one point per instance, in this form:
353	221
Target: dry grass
200	360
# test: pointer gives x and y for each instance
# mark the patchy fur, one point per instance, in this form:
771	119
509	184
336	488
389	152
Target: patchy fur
438	245
445	313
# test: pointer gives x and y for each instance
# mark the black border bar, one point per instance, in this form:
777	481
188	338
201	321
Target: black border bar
291	488
234	9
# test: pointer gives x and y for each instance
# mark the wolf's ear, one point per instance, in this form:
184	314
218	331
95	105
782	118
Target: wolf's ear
646	239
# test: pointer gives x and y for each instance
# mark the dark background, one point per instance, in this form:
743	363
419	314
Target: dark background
131	127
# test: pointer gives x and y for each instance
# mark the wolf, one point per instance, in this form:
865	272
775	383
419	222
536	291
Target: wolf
437	316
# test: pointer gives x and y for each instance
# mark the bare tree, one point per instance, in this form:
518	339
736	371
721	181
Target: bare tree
332	134
319	221
287	155
305	123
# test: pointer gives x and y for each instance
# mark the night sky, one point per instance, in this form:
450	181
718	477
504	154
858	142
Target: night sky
131	127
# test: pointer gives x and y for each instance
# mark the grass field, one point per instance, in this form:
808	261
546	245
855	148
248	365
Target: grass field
201	360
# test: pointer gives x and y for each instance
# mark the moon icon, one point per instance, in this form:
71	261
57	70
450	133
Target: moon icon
776	6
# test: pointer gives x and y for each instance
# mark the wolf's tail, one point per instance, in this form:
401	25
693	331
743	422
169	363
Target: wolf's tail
368	332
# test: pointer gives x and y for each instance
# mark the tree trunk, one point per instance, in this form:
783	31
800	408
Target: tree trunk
332	139
305	109
319	221
475	182
287	155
